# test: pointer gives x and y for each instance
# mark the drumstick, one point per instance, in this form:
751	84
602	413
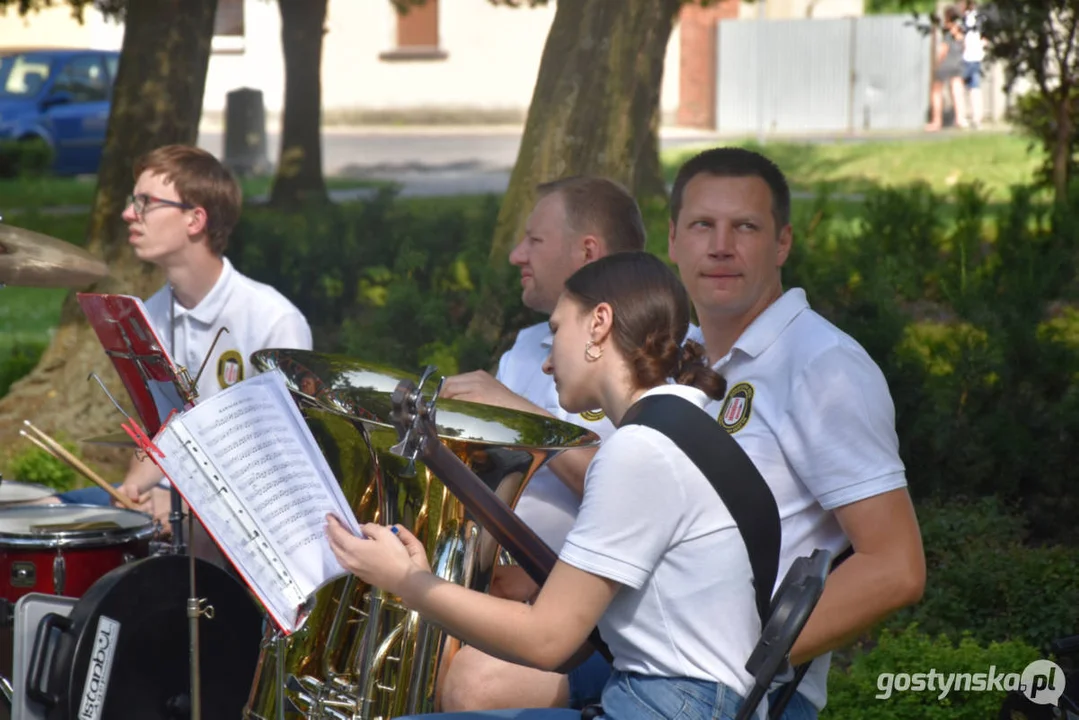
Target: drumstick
49	445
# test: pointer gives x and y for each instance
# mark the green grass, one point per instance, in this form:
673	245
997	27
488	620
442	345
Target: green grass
998	160
28	315
31	193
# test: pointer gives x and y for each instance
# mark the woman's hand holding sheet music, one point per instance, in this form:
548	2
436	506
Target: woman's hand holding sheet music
384	557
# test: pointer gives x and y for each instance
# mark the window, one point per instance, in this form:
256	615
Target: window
229	20
417	34
23	75
229	26
84	79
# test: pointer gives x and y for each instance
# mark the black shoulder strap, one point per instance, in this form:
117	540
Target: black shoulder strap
738	482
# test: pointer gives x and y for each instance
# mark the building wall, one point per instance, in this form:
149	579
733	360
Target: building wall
492	58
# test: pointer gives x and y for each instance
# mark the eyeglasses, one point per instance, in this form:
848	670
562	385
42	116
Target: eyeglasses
142	200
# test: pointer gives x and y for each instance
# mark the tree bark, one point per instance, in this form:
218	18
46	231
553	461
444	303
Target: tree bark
1062	147
299	176
157	100
594	110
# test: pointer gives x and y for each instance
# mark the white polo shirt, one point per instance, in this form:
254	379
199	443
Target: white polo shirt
652	521
257	317
814	413
547	504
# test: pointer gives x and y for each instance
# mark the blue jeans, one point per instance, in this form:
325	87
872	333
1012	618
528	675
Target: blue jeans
92	495
628	696
587	681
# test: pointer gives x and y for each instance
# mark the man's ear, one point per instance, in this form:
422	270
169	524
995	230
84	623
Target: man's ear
784	242
198	222
592	248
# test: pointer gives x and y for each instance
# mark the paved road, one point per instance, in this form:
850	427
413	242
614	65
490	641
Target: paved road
426	162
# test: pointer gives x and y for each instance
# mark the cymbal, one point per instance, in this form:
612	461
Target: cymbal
32	259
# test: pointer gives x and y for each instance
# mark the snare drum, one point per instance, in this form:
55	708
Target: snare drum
64	549
13	492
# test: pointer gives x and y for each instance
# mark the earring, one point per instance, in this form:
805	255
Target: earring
588	347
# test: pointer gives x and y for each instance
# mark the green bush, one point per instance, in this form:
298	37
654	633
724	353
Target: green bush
33	465
385	280
24	158
985	580
965	306
871	687
20	360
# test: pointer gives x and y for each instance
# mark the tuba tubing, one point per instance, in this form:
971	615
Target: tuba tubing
522	543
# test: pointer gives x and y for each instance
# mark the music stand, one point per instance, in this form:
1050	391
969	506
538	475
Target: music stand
158	388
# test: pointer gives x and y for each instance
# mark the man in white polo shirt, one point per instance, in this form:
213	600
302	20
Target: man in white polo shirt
575	221
805	401
183	208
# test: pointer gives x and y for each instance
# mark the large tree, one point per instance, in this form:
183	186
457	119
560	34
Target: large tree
157	99
594	110
299	170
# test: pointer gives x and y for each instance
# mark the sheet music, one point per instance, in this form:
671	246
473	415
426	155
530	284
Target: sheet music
260	485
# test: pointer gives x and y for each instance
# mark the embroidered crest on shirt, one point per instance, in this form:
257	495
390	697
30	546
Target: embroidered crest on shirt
736	408
230	368
593	415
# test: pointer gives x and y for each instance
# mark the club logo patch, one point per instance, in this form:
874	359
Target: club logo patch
230	368
593	415
736	408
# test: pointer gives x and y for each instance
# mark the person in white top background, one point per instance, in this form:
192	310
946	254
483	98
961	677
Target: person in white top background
654	558
973	57
575	221
805	401
182	210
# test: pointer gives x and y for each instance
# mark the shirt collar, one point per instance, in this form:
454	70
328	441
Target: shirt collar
686	392
767	327
207	311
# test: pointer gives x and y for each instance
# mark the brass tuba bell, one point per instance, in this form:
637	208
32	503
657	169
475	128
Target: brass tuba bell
360	654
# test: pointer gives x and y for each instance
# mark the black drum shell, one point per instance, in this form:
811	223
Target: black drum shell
150	664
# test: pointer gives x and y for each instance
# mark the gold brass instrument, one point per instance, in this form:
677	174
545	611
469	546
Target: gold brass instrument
360	654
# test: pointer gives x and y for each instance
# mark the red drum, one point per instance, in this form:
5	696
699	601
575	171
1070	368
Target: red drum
64	549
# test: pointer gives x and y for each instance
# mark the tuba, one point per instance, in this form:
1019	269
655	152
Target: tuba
360	654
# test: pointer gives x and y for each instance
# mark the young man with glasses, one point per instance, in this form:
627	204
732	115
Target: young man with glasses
183	208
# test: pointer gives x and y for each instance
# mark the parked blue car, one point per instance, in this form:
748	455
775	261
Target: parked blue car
61	97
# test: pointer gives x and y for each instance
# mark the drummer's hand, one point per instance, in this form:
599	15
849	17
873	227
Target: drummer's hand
382	558
478	386
160	508
131	491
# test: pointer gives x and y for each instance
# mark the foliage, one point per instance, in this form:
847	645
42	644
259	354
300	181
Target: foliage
24	158
970	321
384	280
984	578
33	465
109	8
20	360
872	687
1036	115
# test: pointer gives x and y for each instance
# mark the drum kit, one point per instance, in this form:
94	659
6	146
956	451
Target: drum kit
103	619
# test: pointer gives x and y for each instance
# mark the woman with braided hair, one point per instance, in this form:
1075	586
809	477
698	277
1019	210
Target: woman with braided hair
654	559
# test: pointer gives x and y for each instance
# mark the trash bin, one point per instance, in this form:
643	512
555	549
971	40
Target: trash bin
245	133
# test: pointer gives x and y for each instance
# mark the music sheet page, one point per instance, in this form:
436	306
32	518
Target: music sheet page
260	485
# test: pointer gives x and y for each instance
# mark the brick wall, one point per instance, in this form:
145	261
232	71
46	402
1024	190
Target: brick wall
697	79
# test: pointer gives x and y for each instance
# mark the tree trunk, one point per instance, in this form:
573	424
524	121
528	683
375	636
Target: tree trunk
594	110
1062	147
299	171
157	100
